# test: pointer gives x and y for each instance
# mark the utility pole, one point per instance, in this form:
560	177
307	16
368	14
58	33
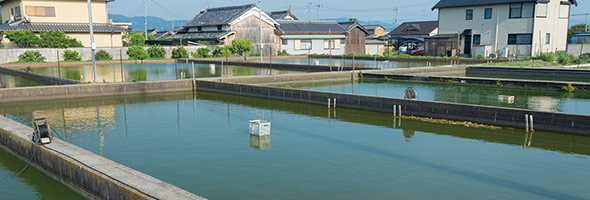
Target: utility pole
319	5
145	18
260	26
308	6
92	45
395	10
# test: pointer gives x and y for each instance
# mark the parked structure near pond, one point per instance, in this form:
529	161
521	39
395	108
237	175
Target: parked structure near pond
506	28
70	17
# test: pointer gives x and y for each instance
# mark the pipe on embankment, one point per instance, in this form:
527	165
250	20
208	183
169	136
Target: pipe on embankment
490	82
299	67
548	121
91	175
37	77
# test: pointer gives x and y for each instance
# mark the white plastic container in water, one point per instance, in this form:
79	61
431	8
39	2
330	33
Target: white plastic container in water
506	98
316	62
259	127
212	69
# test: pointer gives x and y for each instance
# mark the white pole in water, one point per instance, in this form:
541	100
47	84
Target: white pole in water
329	102
400	110
334	102
194	80
531	119
526	121
394	111
92	45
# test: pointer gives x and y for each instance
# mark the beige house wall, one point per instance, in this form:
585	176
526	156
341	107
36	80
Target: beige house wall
379	32
6	6
557	27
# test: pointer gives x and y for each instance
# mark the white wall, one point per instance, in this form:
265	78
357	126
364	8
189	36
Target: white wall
317	47
558	28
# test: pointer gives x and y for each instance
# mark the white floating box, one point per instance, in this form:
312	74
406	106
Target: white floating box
259	127
506	98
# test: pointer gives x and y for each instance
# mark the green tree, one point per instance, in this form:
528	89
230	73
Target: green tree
576	28
156	52
222	51
103	55
31	56
179	52
137	53
23	38
241	47
71	55
150	37
57	39
137	39
201	53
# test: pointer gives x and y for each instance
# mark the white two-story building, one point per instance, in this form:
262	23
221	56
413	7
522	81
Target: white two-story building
504	28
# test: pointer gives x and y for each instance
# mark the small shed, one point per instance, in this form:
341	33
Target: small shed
441	45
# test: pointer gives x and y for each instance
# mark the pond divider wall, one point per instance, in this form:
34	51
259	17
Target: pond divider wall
549	121
93	176
530	72
298	67
410	59
37	77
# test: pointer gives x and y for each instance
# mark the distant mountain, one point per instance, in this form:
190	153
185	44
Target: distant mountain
387	25
153	22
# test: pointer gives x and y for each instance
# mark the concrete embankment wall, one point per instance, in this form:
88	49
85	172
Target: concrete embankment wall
412	59
37	77
91	175
11	55
576	49
491	82
275	65
559	122
530	72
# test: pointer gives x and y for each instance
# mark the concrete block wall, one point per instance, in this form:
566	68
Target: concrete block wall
11	55
576	49
531	72
276	65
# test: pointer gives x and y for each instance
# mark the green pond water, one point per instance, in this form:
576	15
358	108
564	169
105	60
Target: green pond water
550	101
30	184
202	144
336	61
10	81
529	77
153	72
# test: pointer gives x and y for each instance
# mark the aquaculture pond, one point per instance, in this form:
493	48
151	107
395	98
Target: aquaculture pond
30	183
201	143
10	81
528	77
153	72
337	61
550	101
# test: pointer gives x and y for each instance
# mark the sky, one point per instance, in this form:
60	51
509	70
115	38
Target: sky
365	10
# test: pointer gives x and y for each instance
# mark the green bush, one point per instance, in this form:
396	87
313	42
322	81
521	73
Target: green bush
179	52
282	53
31	56
23	38
103	55
241	47
585	57
480	57
221	51
203	43
548	57
137	53
564	58
256	55
156	52
201	53
57	39
71	55
569	88
137	39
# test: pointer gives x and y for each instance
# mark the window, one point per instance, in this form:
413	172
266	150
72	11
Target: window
469	14
284	42
488	13
515	10
40	11
302	44
335	44
199	28
520	38
219	27
305	44
542	10
548	38
528	10
476	39
564	10
17	11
